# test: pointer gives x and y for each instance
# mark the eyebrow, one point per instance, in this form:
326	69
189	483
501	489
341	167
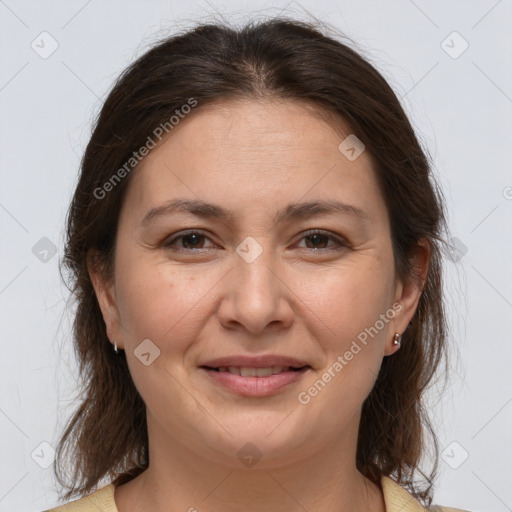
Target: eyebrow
289	212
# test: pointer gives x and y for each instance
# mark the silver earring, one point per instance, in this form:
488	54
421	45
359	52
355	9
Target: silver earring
397	338
115	346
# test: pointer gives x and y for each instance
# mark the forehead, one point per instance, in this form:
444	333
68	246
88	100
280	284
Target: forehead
250	152
258	127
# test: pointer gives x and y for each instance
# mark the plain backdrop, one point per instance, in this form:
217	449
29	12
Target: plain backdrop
449	62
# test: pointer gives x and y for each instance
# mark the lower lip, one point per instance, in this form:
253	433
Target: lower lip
256	386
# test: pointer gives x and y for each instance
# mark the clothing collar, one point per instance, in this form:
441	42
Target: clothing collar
398	499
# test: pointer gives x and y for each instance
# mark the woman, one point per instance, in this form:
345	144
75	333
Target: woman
257	232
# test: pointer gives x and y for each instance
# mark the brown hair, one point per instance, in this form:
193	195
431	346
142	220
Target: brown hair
283	59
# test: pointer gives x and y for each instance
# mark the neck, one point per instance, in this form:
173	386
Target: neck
183	478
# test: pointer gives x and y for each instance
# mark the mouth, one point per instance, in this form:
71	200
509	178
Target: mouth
255	381
249	371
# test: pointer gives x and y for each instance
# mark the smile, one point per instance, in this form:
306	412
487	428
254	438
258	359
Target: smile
255	382
248	371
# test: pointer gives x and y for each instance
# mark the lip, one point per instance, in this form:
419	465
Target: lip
263	361
255	386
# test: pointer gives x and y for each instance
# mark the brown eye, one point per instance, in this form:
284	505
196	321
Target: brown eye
192	241
318	240
189	241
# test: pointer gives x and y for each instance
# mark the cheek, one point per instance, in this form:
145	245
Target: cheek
159	303
164	306
345	306
348	300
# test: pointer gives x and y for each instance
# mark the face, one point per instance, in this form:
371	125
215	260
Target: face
266	270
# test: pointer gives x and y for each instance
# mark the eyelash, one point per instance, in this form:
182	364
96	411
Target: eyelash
341	244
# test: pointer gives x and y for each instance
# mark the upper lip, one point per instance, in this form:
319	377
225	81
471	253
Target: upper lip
264	361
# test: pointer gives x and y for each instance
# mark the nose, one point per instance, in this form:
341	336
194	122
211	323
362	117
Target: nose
256	295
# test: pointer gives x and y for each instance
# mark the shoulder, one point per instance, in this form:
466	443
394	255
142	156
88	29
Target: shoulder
398	499
101	500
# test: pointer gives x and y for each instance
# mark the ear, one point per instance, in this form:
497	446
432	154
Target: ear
408	292
105	293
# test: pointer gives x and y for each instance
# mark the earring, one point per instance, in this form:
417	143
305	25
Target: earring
115	346
397	338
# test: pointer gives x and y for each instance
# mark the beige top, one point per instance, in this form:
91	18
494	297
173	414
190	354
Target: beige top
396	498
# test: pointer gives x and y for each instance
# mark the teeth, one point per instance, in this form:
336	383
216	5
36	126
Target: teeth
263	372
248	372
254	372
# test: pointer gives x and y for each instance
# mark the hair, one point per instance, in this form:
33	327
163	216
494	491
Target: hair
281	59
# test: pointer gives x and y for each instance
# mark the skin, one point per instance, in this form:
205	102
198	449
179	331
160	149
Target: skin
253	158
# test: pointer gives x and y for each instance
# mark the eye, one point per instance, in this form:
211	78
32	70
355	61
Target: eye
317	239
189	241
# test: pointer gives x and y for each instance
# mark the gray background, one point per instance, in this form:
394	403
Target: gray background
460	104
